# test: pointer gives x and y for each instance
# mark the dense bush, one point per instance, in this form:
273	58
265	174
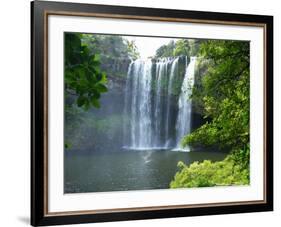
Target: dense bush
230	171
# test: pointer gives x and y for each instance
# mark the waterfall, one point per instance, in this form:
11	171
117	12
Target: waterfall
161	78
174	70
185	105
138	103
154	110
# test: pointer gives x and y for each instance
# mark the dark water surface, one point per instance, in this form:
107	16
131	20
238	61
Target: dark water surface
127	169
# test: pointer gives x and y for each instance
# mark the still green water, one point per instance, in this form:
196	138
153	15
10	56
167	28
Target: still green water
126	170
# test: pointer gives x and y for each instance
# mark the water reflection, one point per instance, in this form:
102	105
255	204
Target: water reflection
127	169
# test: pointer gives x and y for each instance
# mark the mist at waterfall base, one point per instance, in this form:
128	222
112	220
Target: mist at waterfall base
135	144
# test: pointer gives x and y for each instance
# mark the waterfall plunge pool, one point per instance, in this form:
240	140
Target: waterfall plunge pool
127	169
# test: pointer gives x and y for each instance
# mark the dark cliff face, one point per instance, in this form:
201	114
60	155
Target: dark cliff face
116	68
197	111
116	71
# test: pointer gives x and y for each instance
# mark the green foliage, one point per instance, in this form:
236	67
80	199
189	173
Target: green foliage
166	50
84	81
242	156
194	45
224	96
115	52
83	77
182	47
67	145
132	49
107	46
91	60
230	171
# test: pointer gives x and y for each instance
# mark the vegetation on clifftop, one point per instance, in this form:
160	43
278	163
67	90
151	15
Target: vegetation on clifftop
181	47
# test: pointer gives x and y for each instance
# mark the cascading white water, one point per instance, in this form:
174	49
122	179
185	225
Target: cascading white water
150	110
174	70
185	105
139	87
161	78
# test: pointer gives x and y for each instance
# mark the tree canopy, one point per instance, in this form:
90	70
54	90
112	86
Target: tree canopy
180	47
84	81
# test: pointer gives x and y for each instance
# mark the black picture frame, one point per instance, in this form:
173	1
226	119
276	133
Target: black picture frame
39	110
